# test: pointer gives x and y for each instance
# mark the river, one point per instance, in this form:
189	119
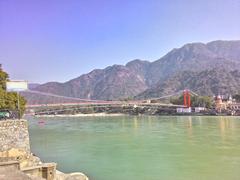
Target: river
141	148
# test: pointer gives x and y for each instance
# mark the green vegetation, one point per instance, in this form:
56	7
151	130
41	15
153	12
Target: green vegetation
203	101
9	100
3	79
237	97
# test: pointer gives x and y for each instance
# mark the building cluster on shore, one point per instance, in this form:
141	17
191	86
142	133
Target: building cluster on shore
223	105
226	103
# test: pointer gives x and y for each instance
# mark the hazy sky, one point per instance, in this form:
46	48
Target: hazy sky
56	40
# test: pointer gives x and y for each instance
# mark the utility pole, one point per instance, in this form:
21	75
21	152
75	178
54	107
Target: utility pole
18	105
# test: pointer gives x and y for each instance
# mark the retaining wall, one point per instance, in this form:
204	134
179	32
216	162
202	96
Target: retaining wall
14	134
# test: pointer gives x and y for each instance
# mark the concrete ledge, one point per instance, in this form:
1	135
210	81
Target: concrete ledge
31	168
46	171
35	171
13	164
10	173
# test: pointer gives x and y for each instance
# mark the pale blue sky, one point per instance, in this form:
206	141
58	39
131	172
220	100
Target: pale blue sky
56	40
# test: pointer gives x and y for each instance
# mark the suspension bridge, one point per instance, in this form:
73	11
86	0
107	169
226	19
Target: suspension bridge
79	105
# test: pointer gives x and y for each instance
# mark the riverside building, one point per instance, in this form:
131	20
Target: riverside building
224	103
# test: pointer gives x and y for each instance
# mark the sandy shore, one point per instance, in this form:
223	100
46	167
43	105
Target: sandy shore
81	115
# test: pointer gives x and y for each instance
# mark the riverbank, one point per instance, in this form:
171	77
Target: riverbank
129	109
80	115
122	114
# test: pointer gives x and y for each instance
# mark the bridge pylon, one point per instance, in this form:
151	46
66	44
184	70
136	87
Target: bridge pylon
186	98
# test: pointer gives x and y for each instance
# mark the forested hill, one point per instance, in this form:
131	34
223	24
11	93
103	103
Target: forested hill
208	82
206	68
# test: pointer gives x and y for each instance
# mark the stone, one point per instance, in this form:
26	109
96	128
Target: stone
71	176
14	134
12	174
16	153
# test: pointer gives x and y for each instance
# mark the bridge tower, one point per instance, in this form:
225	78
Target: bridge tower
186	98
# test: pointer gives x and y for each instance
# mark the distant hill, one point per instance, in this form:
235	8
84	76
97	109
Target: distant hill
207	82
33	85
111	83
34	98
206	68
195	57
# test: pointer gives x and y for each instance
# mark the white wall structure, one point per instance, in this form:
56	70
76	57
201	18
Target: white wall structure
199	109
184	110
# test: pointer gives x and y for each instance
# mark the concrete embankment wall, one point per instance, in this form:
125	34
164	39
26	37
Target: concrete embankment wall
15	154
14	134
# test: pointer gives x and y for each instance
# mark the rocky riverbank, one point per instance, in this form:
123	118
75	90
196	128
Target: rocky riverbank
17	161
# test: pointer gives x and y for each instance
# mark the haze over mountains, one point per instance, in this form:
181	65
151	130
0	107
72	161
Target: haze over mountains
207	69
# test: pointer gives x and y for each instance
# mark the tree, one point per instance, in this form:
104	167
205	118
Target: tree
237	97
3	79
9	100
196	101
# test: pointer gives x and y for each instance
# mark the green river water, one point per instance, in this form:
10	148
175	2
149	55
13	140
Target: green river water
141	148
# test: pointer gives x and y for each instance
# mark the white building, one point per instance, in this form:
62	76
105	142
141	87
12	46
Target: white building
184	110
199	109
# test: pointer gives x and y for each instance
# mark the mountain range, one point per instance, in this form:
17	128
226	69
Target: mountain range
207	69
